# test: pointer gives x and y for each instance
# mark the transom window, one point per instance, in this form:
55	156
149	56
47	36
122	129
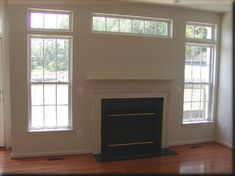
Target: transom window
50	80
131	25
200	31
198	78
50	20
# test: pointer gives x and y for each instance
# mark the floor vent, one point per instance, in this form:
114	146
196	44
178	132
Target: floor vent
195	146
55	158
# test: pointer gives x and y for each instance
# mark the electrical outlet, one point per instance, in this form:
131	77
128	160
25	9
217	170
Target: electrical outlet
79	133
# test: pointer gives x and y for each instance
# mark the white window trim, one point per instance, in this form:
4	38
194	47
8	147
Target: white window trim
69	83
131	17
213	73
52	11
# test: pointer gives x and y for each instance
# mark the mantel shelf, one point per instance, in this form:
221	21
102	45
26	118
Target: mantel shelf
127	78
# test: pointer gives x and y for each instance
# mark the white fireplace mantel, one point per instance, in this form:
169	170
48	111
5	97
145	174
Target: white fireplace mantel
128	78
119	87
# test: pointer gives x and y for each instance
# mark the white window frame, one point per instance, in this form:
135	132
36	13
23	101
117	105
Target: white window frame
130	17
211	83
50	11
55	34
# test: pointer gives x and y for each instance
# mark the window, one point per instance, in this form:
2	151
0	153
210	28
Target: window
50	80
50	20
200	31
131	25
198	78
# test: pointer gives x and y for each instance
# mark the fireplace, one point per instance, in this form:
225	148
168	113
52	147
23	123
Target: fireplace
131	127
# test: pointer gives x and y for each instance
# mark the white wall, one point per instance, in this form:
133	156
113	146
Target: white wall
98	54
225	104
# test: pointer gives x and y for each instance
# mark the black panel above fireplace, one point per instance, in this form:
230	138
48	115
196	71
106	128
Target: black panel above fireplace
131	128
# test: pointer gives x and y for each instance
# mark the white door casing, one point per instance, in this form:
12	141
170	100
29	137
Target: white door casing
2	143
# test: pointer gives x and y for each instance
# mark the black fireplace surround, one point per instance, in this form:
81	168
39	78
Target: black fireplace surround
131	128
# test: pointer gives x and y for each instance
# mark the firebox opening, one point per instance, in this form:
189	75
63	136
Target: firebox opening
131	128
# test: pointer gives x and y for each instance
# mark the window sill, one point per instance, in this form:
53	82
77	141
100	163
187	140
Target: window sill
51	130
197	123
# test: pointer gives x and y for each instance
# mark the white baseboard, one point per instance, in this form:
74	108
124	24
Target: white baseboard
45	154
224	143
196	141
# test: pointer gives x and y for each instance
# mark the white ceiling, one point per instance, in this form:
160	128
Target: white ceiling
208	5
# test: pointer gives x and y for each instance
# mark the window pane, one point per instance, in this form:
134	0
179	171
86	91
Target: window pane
196	55
196	96
187	93
49	94
36	59
50	21
189	31
209	32
62	60
187	111
200	32
98	23
62	94
125	25
161	28
205	72
112	24
187	73
149	27
195	112
37	117
196	74
50	116
62	21
188	54
37	94
50	60
62	116
36	20
137	26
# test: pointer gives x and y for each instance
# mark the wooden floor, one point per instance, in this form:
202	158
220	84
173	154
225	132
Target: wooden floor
205	158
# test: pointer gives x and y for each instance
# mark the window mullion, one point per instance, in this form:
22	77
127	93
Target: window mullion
105	24
118	24
43	80
200	117
201	57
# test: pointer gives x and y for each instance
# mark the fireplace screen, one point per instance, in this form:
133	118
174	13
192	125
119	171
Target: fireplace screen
131	127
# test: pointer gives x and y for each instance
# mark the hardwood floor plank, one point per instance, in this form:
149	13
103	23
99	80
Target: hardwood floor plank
208	158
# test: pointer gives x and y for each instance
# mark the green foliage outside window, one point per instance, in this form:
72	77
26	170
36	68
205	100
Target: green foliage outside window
199	32
130	25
